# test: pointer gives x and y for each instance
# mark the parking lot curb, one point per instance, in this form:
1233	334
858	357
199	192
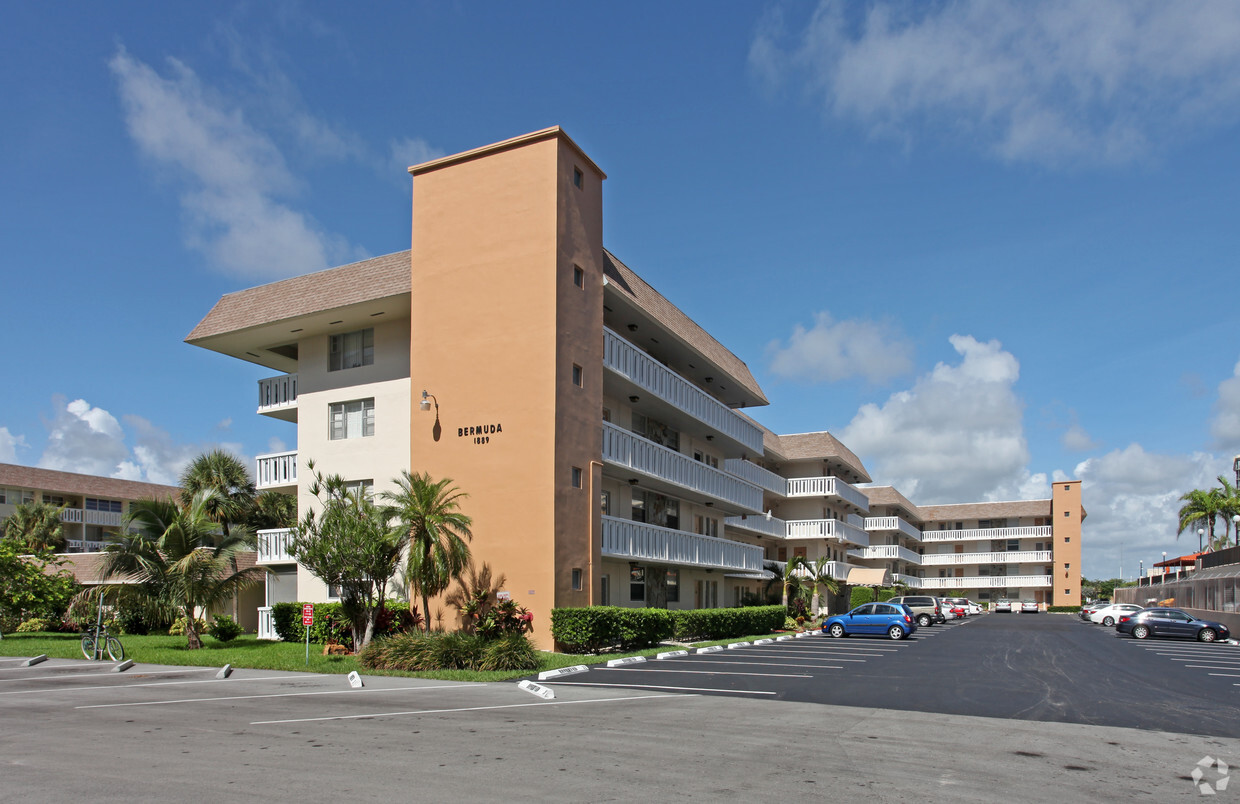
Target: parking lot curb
567	671
123	666
764	642
736	645
711	649
31	662
224	672
672	654
628	660
537	689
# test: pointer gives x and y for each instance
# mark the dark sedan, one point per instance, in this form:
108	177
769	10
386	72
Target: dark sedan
1161	622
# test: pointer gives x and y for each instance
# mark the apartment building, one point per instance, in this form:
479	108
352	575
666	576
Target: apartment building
90	505
595	426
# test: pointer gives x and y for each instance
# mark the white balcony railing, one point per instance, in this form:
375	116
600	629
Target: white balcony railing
892	523
644	457
649	374
976	534
827	529
277	393
273	546
827	487
625	539
266	624
987	582
78	516
276	470
1011	557
72	515
776	484
838	570
911	581
759	524
886	552
81	546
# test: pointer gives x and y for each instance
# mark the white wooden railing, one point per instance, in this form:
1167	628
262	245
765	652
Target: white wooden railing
277	392
758	523
974	534
890	523
82	546
838	570
276	469
273	546
649	374
986	582
911	581
644	457
827	529
887	551
77	516
776	484
1011	557
623	538
827	487
266	624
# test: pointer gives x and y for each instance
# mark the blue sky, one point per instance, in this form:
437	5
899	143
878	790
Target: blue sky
987	245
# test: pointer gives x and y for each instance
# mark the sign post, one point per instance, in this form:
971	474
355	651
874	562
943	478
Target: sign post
307	620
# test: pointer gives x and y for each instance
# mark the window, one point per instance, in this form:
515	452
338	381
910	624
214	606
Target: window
637	584
1013	545
579	276
53	499
1065	513
604	590
1066	539
706	526
578	178
578	376
673	586
576	579
1067	487
1067	566
110	506
354	419
351	350
576	477
364	486
781	554
333	591
606	414
605	501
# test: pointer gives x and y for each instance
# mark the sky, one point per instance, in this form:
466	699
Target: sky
987	245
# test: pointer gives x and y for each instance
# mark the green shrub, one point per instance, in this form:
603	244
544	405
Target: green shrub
508	652
702	624
178	627
1064	609
598	628
330	624
884	594
225	628
457	651
860	596
32	625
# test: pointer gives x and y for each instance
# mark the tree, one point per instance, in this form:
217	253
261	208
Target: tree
36	526
31	584
272	510
820	575
796	573
1229	506
429	511
475	595
1200	510
350	543
226	475
177	559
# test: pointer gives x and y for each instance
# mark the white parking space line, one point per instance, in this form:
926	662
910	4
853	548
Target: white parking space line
1209	667
43	667
467	709
273	695
59	690
1202	659
101	673
701	672
657	687
759	664
1224	675
860	650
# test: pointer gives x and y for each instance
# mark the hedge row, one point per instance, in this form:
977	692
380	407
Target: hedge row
598	628
1064	609
330	624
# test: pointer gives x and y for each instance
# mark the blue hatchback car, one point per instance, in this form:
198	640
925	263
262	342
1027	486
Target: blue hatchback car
891	620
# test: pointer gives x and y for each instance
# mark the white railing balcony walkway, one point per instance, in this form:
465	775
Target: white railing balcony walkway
77	516
277	396
276	470
748	470
827	487
266	624
72	515
81	546
273	546
911	581
759	524
652	376
987	582
976	534
838	570
892	523
827	529
646	458
886	552
637	541
1011	557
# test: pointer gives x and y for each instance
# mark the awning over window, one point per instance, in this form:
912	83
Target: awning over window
866	576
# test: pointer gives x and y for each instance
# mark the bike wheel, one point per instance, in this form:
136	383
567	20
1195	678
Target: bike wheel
88	647
115	649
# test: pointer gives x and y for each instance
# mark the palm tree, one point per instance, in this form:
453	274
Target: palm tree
1229	506
795	573
475	595
429	510
1200	509
271	510
36	525
821	576
178	559
226	475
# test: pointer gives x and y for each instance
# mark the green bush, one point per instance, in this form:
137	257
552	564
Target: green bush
178	627
330	624
32	625
860	596
509	652
456	651
225	628
597	628
702	624
1064	609
882	595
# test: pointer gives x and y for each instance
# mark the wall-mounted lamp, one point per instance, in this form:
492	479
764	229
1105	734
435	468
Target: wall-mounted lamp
632	481
425	404
710	505
710	438
634	399
632	328
632	565
768	515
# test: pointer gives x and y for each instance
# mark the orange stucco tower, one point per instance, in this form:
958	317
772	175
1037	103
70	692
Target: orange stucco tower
1067	514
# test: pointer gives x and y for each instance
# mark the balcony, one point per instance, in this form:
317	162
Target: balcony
671	472
892	524
827	487
276	471
78	516
912	582
1011	557
637	541
277	397
747	470
642	372
838	570
850	532
82	546
759	525
266	624
977	534
987	582
273	546
887	552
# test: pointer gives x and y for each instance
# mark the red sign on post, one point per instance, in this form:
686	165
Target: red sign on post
307	614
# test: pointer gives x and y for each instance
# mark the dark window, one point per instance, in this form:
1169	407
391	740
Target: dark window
637	583
576	580
579	276
578	376
576	477
577	178
673	586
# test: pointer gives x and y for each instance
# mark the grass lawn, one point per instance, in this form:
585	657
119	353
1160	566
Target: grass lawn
248	651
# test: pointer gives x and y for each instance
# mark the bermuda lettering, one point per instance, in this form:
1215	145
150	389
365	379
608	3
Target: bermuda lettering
480	433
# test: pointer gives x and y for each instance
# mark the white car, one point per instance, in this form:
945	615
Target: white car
1004	605
1109	615
974	608
1030	606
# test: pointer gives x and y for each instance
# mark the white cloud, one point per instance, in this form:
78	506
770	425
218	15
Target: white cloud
1077	439
410	151
84	439
1225	425
9	444
232	176
956	436
835	350
1045	82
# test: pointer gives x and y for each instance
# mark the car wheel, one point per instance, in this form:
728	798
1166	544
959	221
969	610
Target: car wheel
836	630
895	632
924	620
1108	621
1140	632
1206	635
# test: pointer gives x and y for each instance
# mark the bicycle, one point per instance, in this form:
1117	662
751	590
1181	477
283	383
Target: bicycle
95	643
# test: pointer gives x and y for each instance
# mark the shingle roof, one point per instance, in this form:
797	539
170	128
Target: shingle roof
87	567
675	321
986	510
802	446
29	477
376	278
888	495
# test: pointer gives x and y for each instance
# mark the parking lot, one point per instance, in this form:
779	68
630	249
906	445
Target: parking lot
774	718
